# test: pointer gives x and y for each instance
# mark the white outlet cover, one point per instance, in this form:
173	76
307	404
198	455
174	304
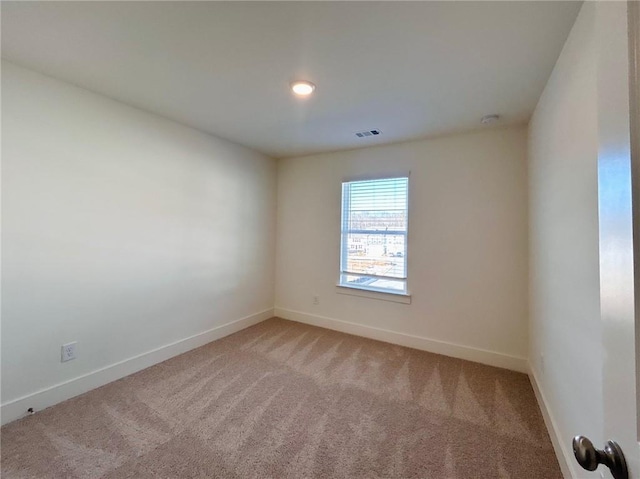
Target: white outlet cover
68	352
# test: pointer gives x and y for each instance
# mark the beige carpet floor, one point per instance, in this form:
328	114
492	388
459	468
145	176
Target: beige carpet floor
287	400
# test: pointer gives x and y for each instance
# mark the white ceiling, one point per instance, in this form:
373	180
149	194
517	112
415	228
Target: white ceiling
410	69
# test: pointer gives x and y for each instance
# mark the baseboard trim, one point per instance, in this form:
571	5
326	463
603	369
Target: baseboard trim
483	356
565	458
15	409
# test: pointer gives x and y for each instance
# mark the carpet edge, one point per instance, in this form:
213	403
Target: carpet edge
565	458
17	408
490	358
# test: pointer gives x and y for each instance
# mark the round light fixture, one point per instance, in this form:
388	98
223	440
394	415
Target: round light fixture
302	88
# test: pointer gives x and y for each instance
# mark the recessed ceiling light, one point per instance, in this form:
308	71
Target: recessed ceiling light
302	88
490	119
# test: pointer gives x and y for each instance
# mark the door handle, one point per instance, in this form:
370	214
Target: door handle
611	456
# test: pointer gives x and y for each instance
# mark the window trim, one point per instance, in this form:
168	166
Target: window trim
342	288
364	292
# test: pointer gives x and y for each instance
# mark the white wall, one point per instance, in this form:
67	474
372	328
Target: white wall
467	270
565	324
122	231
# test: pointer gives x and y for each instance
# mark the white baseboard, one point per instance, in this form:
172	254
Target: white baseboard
483	356
564	455
15	409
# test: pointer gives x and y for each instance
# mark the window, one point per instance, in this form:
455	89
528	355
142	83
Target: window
374	235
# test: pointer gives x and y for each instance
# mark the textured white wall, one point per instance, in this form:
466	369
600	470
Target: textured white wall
565	324
467	270
121	230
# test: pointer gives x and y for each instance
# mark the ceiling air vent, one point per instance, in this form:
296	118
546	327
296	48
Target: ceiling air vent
362	134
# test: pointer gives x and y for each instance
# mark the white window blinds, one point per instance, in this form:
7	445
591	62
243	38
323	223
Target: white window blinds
374	234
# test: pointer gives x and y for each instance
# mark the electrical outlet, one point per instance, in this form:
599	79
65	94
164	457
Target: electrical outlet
68	351
316	299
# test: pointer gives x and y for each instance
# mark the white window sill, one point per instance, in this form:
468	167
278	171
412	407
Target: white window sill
399	297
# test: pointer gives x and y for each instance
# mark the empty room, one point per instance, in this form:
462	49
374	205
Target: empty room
320	239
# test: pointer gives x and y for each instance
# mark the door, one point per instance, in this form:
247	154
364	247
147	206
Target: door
618	187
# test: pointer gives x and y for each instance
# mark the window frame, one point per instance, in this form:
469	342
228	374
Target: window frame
402	296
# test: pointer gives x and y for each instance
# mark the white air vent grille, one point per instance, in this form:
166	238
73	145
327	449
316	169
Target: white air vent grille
362	134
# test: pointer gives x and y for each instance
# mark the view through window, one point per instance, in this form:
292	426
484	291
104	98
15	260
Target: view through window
374	234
